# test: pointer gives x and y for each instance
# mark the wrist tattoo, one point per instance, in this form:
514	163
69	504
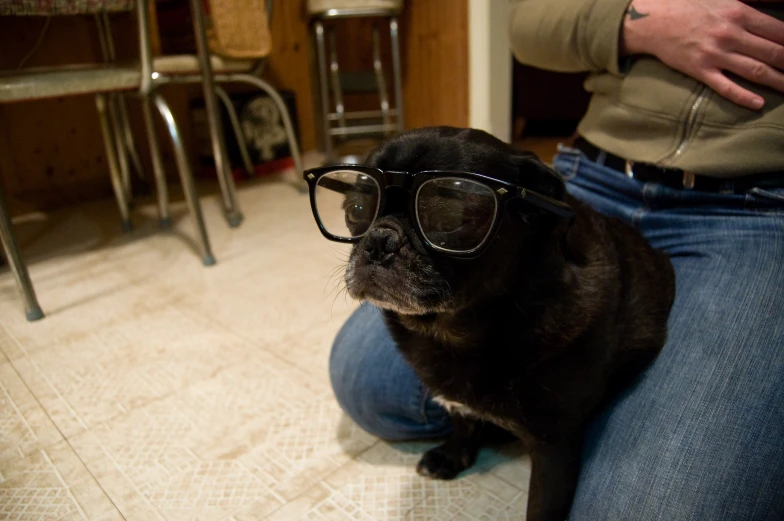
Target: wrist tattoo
634	14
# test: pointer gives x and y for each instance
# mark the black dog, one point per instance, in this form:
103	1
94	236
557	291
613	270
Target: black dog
533	332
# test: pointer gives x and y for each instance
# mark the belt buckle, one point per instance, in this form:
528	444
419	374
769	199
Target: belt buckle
629	169
688	180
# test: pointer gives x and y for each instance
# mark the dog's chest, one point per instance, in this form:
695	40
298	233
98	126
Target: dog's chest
472	389
466	377
502	418
454	407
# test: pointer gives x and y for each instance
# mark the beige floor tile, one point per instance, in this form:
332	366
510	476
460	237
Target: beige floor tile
303	507
462	501
271	296
77	304
52	483
24	426
254	435
88	379
378	486
7	344
509	462
79	260
310	348
310	442
383	485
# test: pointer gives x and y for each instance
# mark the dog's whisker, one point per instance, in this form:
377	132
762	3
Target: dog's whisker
342	257
338	282
335	278
343	289
334	290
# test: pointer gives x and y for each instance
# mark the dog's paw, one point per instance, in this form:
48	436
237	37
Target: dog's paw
444	462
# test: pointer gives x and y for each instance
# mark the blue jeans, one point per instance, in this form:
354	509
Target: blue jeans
700	435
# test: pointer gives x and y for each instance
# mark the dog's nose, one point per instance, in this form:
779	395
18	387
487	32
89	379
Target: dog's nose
382	244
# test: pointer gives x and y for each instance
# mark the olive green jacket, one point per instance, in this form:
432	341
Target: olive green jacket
641	109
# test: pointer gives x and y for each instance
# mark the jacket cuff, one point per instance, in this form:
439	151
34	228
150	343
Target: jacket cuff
600	35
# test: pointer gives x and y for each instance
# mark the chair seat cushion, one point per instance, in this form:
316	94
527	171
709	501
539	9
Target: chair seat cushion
335	8
46	82
62	7
189	64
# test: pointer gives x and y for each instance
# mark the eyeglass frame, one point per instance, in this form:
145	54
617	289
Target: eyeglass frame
412	182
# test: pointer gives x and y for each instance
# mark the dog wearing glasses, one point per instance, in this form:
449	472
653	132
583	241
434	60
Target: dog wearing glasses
520	308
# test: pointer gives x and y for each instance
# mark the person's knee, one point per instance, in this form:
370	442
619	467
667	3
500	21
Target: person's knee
363	395
350	385
374	385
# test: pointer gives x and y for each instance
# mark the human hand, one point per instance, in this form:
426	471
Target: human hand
704	38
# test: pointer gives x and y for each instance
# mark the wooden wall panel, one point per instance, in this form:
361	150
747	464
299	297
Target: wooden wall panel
289	67
435	55
51	151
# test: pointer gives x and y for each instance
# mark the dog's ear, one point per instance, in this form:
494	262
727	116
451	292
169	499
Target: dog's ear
539	177
534	175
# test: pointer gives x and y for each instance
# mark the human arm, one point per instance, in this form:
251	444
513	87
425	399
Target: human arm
567	35
704	38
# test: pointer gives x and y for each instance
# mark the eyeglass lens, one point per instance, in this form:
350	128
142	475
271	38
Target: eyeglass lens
455	214
347	202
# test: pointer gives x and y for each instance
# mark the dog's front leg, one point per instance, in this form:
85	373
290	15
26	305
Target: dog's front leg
554	471
456	454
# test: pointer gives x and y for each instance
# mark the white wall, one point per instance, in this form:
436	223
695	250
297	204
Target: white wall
490	67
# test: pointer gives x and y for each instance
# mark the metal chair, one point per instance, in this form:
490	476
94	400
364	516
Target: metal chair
118	113
101	80
336	123
181	69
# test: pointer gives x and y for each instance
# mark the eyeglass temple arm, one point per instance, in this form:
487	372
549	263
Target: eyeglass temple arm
555	206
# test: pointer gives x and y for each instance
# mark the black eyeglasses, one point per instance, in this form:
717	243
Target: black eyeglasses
456	212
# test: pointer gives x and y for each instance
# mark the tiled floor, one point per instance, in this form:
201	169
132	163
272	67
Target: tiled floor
156	388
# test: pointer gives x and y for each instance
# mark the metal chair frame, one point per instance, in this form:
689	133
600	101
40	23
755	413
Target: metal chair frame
115	133
343	129
213	92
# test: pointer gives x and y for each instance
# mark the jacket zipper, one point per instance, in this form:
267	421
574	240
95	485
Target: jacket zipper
695	107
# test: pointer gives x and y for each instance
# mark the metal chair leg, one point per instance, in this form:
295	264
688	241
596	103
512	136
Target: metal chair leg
233	214
102	23
238	134
380	80
18	267
393	32
284	112
157	166
130	144
334	74
122	128
119	145
322	68
186	178
111	157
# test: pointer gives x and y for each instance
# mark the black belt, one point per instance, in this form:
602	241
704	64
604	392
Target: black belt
676	178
